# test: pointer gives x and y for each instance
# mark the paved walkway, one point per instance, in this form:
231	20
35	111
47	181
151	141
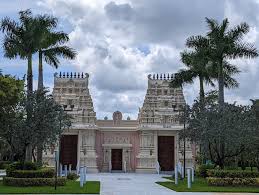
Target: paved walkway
135	184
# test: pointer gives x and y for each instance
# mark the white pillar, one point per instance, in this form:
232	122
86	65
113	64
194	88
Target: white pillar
176	175
189	178
192	174
84	174
60	170
81	177
69	168
65	170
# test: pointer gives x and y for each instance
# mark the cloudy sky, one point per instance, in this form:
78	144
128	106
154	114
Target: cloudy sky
120	42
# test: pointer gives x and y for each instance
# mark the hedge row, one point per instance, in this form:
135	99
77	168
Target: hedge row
4	164
213	181
232	174
41	173
22	182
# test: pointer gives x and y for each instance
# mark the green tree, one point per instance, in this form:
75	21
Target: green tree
227	43
222	135
51	44
199	66
196	62
20	39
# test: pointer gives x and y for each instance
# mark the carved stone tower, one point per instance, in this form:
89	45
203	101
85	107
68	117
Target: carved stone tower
71	91
160	111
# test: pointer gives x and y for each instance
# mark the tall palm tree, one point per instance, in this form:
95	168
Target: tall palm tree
226	43
20	41
196	62
50	47
51	44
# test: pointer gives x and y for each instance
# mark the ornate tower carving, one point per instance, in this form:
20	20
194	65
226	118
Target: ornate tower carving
71	91
160	111
162	104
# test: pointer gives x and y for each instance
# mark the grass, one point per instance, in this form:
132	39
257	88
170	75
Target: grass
71	187
200	185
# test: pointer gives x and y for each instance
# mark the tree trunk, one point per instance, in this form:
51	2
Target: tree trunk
221	84
39	154
202	94
28	155
40	78
29	75
40	87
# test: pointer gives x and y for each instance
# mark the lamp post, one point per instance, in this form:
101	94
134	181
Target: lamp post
56	167
184	144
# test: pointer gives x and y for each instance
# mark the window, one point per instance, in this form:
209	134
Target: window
165	92
166	103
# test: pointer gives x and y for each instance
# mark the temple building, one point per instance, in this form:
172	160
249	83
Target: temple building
119	144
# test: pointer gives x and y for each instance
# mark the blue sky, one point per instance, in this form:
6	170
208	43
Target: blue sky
120	42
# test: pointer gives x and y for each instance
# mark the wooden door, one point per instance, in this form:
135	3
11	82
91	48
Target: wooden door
68	152
116	159
166	152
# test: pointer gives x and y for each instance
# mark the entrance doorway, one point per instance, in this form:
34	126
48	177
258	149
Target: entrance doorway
68	150
166	152
117	159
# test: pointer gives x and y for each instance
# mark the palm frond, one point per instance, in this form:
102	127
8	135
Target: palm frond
230	82
9	26
224	26
243	50
52	54
183	77
212	23
237	32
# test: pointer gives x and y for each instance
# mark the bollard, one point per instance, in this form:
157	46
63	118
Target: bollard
192	174
65	167
69	168
84	174
110	166
189	178
176	175
81	177
60	170
77	168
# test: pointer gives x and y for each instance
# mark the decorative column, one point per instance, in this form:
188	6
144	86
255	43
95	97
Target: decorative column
87	150
147	157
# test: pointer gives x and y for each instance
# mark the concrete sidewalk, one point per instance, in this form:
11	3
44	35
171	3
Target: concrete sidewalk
137	184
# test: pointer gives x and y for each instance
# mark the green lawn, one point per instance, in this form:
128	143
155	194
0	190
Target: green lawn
72	187
200	185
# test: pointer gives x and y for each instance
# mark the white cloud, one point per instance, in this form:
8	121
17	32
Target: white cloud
120	42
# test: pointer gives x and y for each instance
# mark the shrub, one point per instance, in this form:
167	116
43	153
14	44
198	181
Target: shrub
10	181
202	170
232	174
213	181
72	176
22	166
4	164
41	173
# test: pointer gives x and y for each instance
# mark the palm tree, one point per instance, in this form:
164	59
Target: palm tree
227	44
50	44
50	47
20	41
196	62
